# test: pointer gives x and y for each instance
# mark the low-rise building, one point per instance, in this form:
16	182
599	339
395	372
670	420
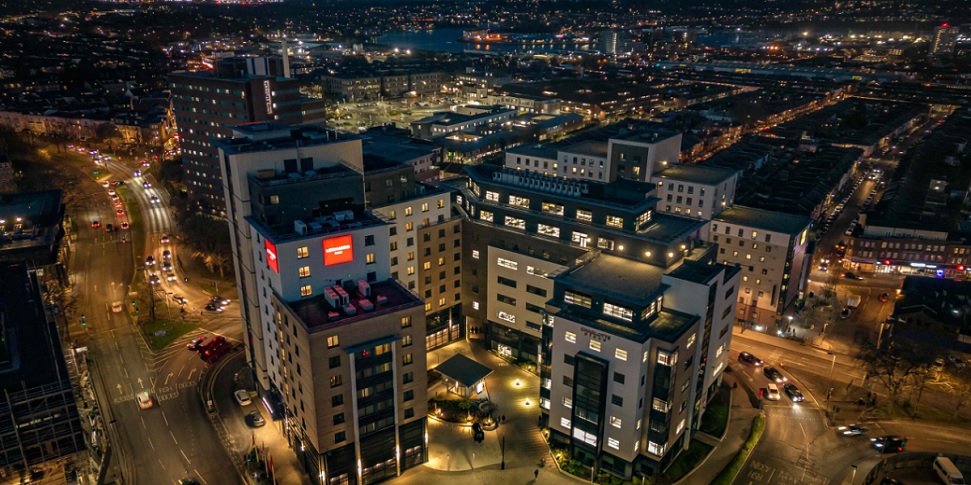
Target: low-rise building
695	191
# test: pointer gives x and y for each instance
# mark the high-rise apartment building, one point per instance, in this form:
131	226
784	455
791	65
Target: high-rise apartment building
945	37
209	104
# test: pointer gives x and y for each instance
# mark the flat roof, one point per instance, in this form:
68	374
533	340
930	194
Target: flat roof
698	174
666	325
592	148
697	272
464	370
617	277
536	150
670	229
317	314
763	219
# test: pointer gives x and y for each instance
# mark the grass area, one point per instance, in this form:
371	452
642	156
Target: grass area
688	460
715	418
728	474
173	330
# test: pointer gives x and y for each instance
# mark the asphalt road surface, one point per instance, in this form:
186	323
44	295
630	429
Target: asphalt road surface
173	439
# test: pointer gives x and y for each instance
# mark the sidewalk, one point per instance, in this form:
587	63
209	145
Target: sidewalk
741	413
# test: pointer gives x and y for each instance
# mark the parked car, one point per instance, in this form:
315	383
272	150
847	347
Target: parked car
774	375
956	361
242	397
255	419
852	276
748	358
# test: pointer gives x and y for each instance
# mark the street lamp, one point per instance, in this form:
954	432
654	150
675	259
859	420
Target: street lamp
833	366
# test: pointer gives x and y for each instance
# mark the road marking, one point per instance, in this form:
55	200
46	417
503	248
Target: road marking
151	444
167	378
125	371
165	419
200	476
186	457
119	389
143	421
191	372
140	383
173	437
182	369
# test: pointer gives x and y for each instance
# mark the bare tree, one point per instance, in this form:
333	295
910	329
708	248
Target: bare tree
892	368
959	385
919	377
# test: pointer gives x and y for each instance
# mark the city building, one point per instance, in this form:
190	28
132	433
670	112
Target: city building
945	37
635	351
327	328
208	104
39	419
7	182
370	83
770	248
462	119
31	227
695	191
524	103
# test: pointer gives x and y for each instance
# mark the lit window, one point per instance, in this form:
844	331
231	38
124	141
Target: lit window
515	222
567	402
306	290
333	341
691	340
304	271
486	216
584	436
506	317
680	427
585	216
595	345
571	337
654	448
408	211
620	354
577	299
475	305
405	322
614	221
666	358
551	208
615	422
369	258
475	254
546	230
411	270
492	196
508	264
619	312
424	206
409	226
565	423
303	252
613	443
582	239
519	201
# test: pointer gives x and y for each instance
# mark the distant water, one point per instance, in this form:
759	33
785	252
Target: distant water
446	40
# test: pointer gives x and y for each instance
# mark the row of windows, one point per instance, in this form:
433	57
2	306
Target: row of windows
550	208
741	232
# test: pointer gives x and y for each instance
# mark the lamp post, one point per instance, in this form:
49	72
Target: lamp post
853	478
833	366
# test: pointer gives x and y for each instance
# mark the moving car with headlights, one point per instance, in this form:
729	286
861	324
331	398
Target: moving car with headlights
889	443
851	430
144	400
774	375
772	393
793	392
748	358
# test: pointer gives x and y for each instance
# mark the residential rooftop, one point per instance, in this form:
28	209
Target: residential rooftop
623	279
697	174
762	219
317	314
590	148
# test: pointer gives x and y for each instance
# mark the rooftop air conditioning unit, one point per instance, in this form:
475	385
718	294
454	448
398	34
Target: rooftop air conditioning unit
300	227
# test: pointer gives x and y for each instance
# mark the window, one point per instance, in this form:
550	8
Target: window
406	341
492	196
565	423
333	341
515	222
666	358
535	291
407	377
584	215
441	202
335	361
405	322
340	436
369	240
603	243
485	216
616	400
303	252
571	337
655	449
506	317
680	427
567	402
304	271
409	413
407	359
507	263
547	230
337	400
519	201
691	340
409	211
306	290
505	299
577	299
619	378
586	437
551	208
620	354
614	221
409	226
336	381
506	282
595	345
338	418
424	206
618	312
582	239
409	395
426	265
369	258
475	254
615	422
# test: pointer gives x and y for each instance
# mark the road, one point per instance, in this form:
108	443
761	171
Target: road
174	439
798	446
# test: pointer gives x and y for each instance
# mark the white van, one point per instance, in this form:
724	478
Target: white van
774	392
947	472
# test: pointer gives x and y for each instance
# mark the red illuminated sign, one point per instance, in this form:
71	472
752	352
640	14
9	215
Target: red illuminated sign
271	261
338	250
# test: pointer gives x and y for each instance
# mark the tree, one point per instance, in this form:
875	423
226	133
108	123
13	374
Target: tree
959	385
106	131
920	376
892	368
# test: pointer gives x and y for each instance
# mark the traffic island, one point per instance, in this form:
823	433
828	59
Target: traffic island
161	332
